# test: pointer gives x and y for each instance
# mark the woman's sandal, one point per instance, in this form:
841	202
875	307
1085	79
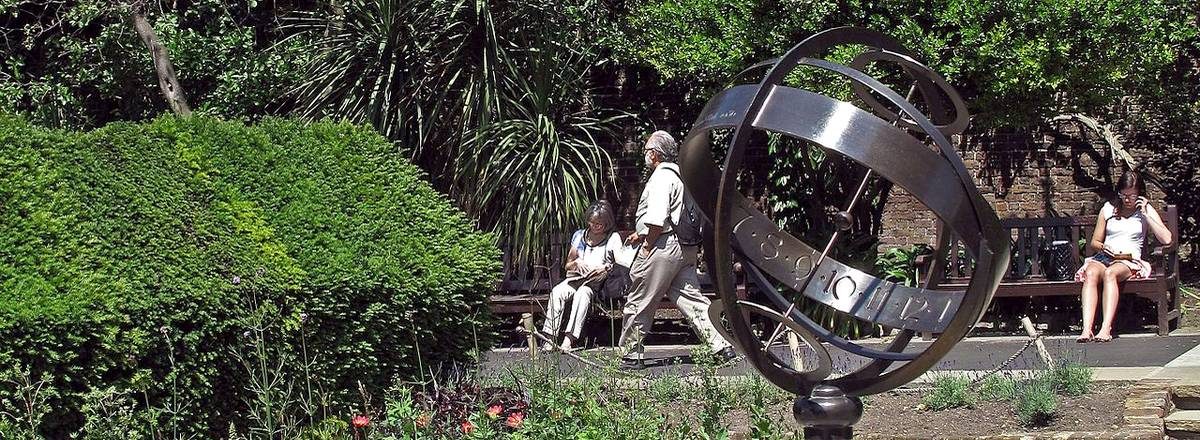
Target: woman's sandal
1084	339
1100	339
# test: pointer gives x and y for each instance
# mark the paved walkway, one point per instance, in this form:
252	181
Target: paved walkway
1129	357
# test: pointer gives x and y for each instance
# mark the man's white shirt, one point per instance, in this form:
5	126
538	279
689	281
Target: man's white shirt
662	195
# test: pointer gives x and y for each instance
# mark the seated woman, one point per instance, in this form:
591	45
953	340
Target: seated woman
588	264
1117	242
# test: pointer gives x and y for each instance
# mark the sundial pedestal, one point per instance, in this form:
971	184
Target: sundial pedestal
827	413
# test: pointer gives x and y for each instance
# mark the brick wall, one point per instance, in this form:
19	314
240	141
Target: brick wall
1021	174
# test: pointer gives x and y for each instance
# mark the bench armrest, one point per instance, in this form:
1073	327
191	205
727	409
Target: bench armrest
1166	256
923	260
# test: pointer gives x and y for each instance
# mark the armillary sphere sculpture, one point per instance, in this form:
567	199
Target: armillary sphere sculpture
904	147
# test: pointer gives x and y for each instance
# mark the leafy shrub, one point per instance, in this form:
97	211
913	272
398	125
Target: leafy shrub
129	253
1036	403
899	265
998	388
950	392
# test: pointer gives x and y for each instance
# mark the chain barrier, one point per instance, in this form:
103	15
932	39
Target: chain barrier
1008	361
631	374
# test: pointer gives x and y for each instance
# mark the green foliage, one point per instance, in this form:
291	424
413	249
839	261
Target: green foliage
404	418
1016	62
332	428
112	415
495	99
760	395
899	265
80	64
998	388
586	407
714	400
583	404
1071	378
131	253
950	392
1036	403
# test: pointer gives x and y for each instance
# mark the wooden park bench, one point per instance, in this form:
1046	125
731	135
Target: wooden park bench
1035	270
526	288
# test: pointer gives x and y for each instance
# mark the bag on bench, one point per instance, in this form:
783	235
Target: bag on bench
618	281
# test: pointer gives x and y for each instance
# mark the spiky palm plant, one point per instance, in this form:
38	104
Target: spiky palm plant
417	70
492	97
537	167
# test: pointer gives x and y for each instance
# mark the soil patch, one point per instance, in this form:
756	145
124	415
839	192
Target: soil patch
898	414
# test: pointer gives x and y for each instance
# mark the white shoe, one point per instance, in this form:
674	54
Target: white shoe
566	343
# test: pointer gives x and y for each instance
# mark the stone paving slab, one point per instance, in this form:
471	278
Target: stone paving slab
1125	358
1183	422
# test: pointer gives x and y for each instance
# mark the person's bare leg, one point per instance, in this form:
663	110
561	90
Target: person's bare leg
1093	274
1113	276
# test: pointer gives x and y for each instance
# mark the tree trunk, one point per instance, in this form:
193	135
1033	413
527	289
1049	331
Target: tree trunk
167	81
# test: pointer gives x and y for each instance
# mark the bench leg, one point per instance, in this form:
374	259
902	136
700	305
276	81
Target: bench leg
1164	319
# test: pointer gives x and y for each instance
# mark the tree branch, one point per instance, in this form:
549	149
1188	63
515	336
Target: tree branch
167	81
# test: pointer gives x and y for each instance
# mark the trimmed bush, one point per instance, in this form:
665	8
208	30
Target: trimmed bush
130	256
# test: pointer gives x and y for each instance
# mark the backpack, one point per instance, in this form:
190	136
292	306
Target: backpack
690	229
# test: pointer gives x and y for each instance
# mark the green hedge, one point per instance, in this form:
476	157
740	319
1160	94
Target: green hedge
132	256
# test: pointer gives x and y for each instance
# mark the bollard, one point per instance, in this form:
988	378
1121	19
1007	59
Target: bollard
797	356
527	322
1041	348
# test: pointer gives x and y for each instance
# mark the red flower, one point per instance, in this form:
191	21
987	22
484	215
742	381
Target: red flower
360	421
494	410
467	426
515	419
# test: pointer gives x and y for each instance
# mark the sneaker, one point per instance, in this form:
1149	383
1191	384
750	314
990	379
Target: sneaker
632	364
725	355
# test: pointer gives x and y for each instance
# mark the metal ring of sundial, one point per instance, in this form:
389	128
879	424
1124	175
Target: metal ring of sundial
935	176
929	90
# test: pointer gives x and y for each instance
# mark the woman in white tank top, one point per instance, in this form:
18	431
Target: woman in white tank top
1117	242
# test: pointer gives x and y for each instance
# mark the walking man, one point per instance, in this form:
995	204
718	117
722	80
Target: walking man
663	266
